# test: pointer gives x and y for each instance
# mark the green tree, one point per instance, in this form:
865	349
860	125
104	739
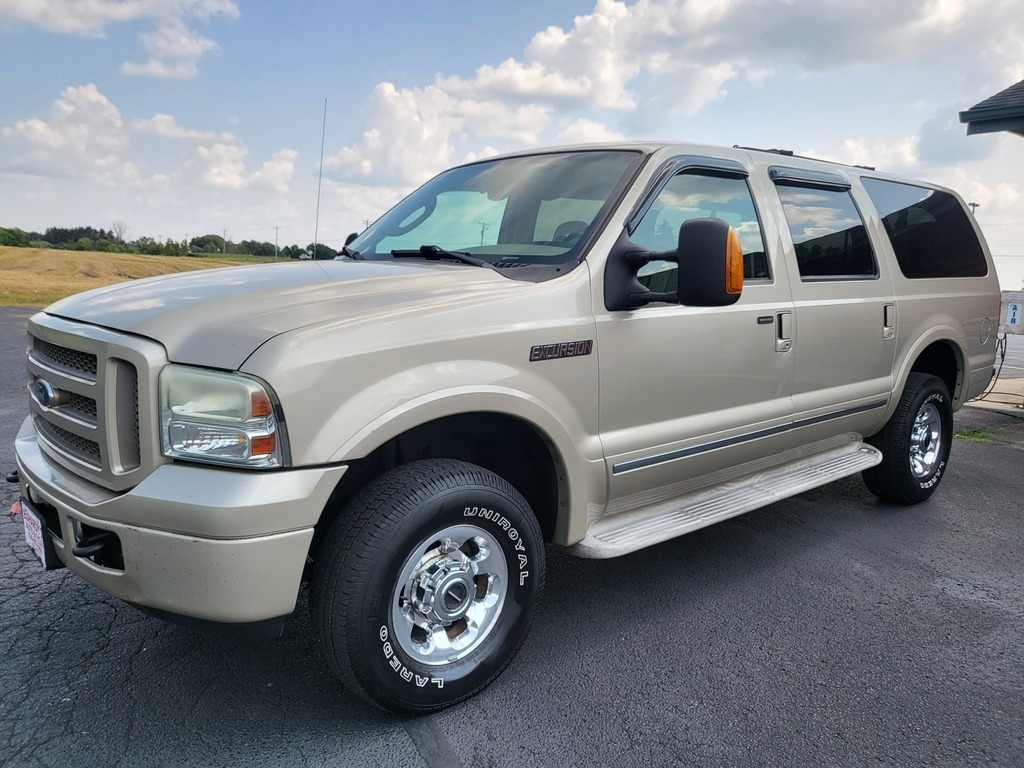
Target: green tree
322	251
109	247
15	237
254	248
207	244
148	246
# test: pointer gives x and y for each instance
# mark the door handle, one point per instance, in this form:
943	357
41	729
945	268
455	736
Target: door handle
783	331
889	321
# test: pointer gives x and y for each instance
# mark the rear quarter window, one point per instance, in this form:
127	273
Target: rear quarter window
929	230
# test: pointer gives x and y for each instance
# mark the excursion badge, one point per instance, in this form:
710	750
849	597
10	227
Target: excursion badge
561	349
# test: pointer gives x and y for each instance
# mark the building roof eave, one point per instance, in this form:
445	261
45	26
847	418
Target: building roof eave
1002	112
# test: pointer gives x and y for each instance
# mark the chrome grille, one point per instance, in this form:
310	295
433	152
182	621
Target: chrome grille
101	421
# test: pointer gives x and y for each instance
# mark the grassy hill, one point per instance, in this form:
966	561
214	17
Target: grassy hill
39	276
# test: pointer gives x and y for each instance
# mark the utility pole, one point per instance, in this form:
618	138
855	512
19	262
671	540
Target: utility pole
973	206
224	243
483	228
275	242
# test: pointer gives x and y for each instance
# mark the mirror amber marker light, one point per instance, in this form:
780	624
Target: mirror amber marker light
733	264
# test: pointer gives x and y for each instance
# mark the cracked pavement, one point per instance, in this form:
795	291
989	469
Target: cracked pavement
828	629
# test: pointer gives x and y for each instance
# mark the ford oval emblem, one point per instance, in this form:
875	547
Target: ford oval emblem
46	395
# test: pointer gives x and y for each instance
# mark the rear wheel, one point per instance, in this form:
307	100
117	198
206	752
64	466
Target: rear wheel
914	443
426	585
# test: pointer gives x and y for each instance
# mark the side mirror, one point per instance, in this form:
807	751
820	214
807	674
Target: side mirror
710	268
351	237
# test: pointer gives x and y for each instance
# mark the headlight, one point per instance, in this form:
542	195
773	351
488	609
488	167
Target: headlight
223	418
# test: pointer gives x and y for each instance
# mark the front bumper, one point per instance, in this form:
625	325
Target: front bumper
205	543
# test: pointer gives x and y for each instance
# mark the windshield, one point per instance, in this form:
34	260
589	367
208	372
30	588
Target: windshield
531	209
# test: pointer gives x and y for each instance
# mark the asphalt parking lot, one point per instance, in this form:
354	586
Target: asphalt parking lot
827	630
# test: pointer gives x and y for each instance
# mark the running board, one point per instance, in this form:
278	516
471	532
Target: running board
630	531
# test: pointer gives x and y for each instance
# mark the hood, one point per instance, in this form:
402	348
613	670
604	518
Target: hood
218	317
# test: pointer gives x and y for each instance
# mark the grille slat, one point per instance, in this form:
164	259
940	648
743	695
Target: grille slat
79	447
66	359
83	407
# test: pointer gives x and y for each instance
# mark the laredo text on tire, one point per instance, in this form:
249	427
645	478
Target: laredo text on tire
915	443
426	585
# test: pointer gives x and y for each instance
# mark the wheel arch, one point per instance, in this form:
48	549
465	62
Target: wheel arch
509	446
943	359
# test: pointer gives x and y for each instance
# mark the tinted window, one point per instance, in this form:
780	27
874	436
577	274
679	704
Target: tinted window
829	235
929	230
695	196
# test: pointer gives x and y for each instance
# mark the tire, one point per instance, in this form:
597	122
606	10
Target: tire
426	585
915	443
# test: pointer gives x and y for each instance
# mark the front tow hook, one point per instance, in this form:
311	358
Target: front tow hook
94	544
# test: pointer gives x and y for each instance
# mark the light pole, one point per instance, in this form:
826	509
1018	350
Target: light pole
973	206
275	242
224	243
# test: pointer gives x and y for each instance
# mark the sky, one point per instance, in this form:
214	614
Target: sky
179	118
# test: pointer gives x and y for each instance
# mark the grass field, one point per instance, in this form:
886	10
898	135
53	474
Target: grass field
39	276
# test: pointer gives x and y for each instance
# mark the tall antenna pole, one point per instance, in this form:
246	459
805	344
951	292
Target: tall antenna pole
319	181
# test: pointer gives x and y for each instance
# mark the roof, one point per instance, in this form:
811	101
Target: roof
1002	112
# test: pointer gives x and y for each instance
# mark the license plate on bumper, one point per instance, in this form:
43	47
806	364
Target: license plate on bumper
38	537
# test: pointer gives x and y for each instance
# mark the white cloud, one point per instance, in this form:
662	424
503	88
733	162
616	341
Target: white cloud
166	126
174	48
88	17
174	52
899	155
584	131
495	120
84	135
223	166
411	138
92	16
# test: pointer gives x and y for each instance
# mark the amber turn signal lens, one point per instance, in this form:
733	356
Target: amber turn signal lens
263	445
261	407
733	264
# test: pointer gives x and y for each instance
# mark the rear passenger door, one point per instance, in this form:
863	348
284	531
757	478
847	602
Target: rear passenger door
845	330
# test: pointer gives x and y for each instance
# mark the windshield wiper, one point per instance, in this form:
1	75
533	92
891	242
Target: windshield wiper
352	253
436	252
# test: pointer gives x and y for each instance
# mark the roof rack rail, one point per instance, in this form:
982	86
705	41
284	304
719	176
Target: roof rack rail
786	152
790	153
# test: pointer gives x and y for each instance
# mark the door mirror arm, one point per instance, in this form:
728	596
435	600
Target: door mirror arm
710	251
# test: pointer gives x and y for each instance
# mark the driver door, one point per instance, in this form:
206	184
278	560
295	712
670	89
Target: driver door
688	391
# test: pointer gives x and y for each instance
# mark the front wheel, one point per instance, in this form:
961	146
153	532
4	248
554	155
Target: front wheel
426	585
914	443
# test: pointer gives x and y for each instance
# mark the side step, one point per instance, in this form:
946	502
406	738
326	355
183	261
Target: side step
639	528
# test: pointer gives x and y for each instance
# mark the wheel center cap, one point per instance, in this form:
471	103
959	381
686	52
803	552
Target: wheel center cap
445	590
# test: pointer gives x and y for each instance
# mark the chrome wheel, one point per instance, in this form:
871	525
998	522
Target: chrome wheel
449	595
925	441
426	583
915	443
